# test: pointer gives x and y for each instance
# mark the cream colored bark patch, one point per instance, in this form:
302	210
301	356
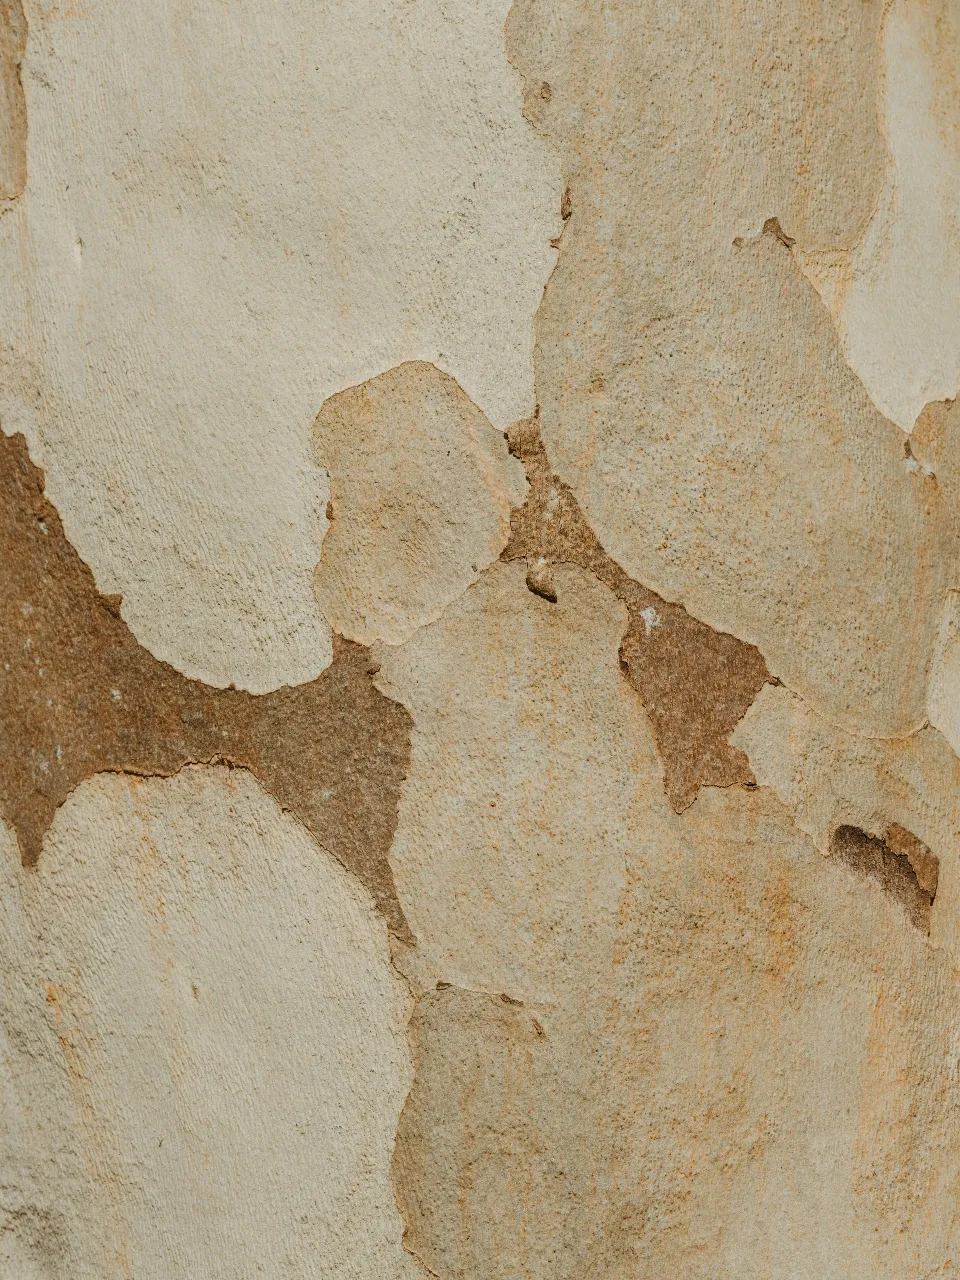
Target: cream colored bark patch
894	296
693	390
229	1054
944	701
510	845
13	113
269	203
421	489
673	1045
830	779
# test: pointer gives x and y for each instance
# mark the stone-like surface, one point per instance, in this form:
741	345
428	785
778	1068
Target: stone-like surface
264	206
206	1038
421	488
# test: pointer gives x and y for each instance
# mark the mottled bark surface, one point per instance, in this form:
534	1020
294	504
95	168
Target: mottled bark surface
480	640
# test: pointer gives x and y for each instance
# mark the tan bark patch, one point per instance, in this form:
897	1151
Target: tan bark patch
696	683
13	107
421	489
79	696
693	391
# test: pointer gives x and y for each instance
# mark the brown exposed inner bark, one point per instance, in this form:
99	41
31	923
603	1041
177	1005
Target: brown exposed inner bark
80	696
13	106
696	683
901	864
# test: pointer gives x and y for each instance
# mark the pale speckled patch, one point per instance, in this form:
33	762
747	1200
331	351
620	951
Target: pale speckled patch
645	1043
421	489
693	391
829	778
893	295
269	204
201	1015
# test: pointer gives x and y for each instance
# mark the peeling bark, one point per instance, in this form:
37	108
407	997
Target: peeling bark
696	683
79	696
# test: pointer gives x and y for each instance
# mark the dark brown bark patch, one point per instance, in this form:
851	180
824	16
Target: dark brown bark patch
79	696
900	864
696	683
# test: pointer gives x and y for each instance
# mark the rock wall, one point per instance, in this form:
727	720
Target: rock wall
480	640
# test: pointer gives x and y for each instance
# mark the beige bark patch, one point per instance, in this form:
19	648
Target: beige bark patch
693	392
421	488
896	790
944	700
894	295
696	683
271	203
757	1078
13	107
508	854
672	1043
79	695
212	1000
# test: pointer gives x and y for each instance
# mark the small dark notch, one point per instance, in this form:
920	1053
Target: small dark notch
772	227
901	864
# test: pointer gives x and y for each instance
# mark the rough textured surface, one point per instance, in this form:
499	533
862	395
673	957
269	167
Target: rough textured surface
421	488
896	864
484	740
13	108
831	779
646	1043
893	292
270	204
696	683
78	695
693	391
207	1040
